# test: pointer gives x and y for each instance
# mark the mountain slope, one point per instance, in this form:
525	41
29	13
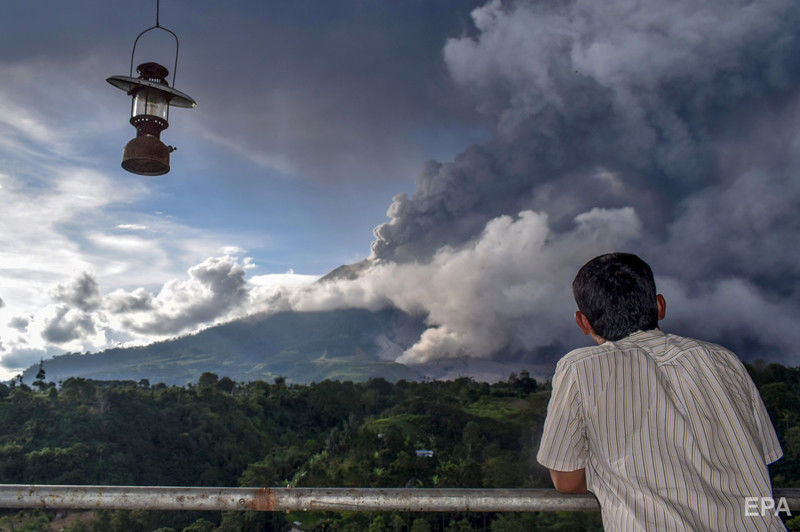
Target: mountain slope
349	344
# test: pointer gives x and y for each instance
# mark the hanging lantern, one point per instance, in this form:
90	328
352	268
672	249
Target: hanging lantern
151	99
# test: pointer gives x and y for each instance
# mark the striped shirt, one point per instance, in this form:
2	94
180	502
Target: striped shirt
671	431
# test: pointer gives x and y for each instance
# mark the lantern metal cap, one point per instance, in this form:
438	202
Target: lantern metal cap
129	84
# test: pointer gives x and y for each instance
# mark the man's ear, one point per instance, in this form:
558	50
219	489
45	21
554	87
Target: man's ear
662	306
583	322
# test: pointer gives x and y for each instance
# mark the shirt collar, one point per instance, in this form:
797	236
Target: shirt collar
643	336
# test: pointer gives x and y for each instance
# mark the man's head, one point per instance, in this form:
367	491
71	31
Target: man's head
616	296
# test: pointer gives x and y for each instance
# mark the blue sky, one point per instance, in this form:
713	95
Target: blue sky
307	125
498	145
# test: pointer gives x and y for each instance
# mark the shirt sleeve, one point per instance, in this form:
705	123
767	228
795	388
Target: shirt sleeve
564	446
769	440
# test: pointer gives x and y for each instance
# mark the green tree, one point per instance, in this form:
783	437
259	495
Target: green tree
472	438
26	521
397	524
511	523
501	471
226	384
208	379
420	525
793	524
459	526
40	376
201	525
525	383
379	523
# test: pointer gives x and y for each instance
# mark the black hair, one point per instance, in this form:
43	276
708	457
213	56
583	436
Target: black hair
617	294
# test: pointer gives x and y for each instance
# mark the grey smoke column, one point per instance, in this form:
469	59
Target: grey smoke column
604	104
687	111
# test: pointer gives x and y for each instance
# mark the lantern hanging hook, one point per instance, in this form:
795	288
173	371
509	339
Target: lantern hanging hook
160	27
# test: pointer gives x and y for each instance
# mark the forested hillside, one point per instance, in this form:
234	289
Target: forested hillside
220	433
345	344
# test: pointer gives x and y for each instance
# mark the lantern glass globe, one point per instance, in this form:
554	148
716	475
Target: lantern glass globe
150	101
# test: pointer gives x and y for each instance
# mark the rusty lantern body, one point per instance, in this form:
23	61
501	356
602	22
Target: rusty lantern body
152	97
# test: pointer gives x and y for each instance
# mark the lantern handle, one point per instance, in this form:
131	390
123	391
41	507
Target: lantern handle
177	45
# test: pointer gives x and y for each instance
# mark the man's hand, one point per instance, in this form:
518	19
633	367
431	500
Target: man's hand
569	481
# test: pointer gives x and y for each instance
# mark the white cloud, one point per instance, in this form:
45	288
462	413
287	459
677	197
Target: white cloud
232	250
214	288
132	227
278	281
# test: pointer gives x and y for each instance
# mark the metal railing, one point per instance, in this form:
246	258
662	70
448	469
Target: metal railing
306	499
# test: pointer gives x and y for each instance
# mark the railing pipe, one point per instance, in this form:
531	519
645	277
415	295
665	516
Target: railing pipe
307	499
292	499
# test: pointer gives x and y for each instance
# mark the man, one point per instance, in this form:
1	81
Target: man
669	433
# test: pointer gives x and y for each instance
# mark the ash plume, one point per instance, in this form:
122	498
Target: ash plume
685	112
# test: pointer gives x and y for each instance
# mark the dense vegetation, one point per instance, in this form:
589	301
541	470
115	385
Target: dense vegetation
221	433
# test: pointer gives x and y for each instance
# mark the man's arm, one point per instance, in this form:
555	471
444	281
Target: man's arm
563	448
569	481
770	446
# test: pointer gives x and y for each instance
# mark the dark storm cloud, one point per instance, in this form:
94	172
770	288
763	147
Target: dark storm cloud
19	323
82	293
68	324
64	30
21	358
339	91
121	302
73	316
